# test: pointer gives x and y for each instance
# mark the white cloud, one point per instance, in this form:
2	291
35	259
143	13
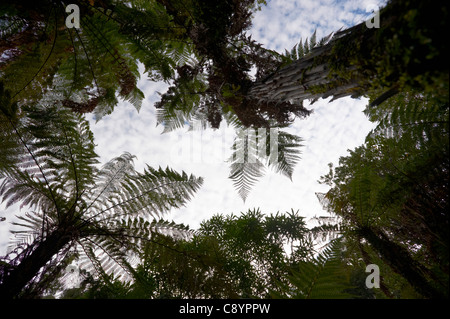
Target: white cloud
328	132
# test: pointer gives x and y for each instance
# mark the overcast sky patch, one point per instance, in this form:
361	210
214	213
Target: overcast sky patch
328	133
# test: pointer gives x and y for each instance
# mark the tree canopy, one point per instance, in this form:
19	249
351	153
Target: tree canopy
392	192
389	196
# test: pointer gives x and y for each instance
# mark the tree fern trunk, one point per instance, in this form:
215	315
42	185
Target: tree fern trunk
16	279
406	50
399	259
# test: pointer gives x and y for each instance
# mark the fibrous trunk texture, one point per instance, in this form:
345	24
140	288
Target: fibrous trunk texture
297	81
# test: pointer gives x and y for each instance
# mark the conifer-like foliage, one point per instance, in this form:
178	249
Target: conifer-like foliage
393	190
75	208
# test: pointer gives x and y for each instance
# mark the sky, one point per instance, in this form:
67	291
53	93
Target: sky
328	133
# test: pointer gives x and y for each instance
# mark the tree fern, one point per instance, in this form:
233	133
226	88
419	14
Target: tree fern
183	101
89	67
303	48
288	153
323	277
411	118
50	166
389	191
253	150
227	257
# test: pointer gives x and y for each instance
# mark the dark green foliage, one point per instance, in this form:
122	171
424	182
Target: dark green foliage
198	46
227	257
255	149
391	193
393	190
76	210
87	68
234	257
220	75
323	277
303	48
406	52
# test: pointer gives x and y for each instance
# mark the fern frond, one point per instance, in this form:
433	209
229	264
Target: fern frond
303	48
49	157
50	166
119	210
288	153
324	233
181	104
101	256
324	277
245	176
245	166
108	180
252	149
113	249
100	58
410	115
139	230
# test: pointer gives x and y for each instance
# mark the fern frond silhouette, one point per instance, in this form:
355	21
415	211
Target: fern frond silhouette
50	166
323	277
254	150
390	191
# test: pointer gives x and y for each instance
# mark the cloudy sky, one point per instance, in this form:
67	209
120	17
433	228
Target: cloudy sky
328	133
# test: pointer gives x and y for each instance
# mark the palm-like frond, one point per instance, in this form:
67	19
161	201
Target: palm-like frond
288	153
328	228
245	176
184	102
254	150
88	68
113	248
323	277
122	191
49	157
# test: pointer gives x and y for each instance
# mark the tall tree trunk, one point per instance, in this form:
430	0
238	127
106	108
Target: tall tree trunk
407	49
302	79
16	279
401	262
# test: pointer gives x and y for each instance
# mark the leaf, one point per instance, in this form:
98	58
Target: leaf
50	166
324	277
253	149
246	168
288	153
